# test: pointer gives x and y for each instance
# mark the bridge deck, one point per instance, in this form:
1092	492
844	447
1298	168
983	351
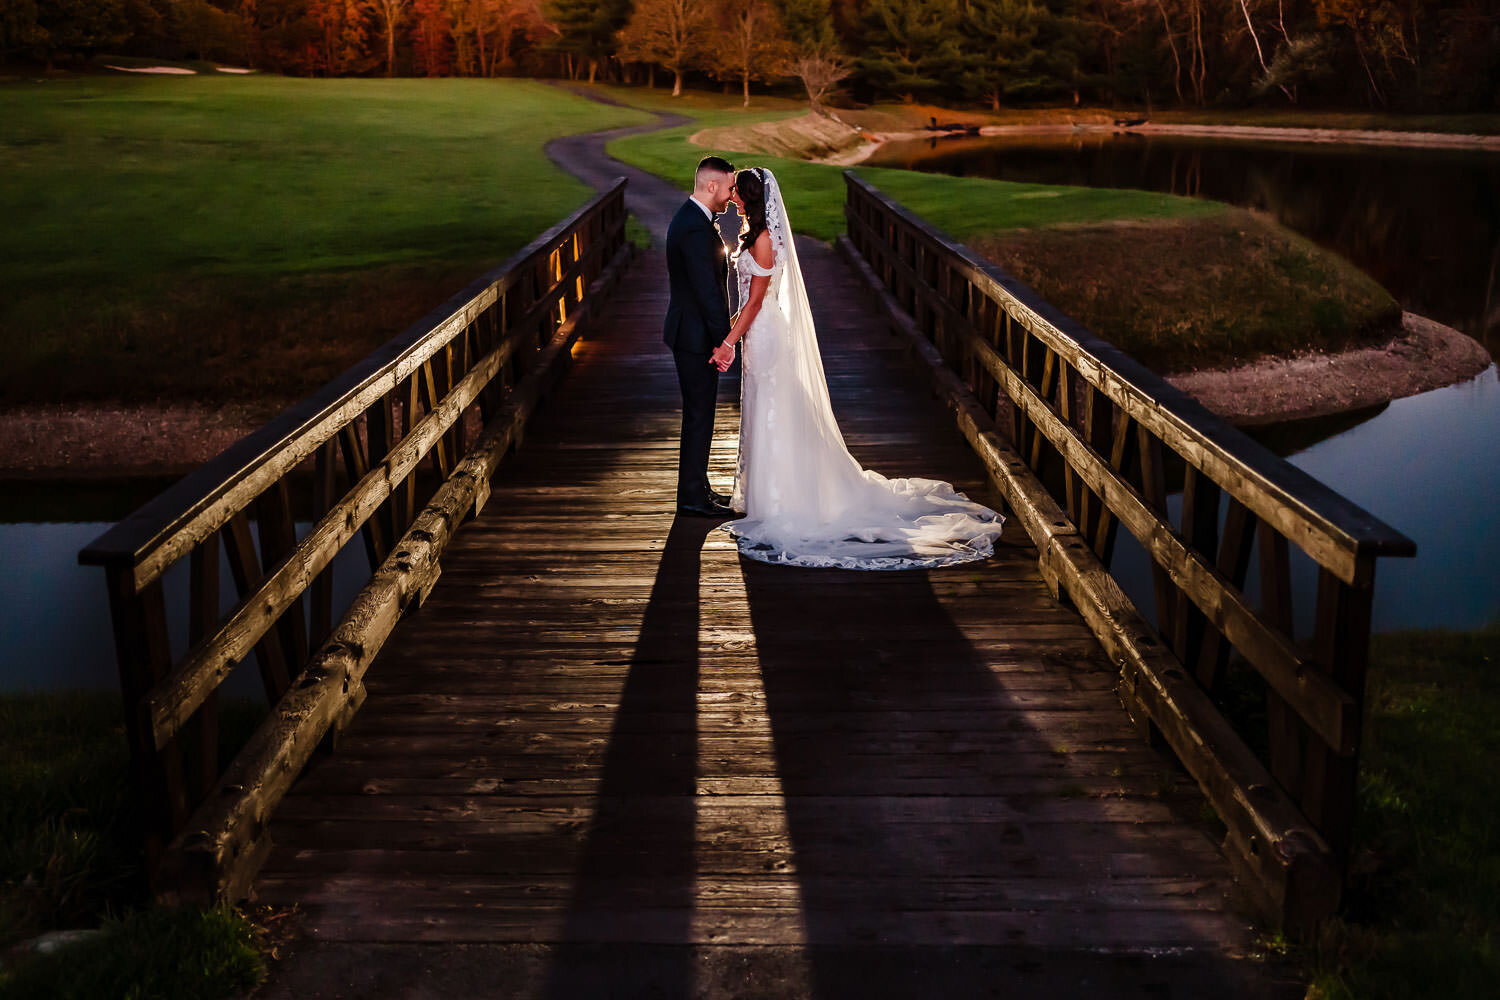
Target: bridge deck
603	727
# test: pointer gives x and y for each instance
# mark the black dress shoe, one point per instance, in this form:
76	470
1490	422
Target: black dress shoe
718	497
708	508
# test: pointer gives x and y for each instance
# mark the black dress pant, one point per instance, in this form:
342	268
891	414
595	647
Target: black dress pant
699	382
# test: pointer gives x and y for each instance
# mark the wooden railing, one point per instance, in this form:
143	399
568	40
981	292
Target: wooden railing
447	399
1082	439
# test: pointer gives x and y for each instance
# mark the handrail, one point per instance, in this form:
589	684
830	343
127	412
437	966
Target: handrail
153	536
1081	439
451	393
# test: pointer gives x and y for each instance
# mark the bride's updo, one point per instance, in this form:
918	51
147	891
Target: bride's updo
752	188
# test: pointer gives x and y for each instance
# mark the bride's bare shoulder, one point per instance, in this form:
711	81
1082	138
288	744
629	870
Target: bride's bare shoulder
761	250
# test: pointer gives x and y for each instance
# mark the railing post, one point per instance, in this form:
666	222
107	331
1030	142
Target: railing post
1342	642
143	655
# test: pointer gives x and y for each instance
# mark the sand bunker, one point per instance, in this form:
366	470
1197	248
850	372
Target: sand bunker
174	70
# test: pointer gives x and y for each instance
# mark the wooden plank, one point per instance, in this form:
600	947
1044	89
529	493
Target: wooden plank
203	618
320	593
278	540
275	672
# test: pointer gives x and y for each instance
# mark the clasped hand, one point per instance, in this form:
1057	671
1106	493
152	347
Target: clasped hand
722	357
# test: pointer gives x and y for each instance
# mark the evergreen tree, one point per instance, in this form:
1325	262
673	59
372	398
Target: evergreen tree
808	24
586	28
74	27
1019	49
911	47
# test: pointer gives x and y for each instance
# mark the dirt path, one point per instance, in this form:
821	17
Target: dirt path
113	441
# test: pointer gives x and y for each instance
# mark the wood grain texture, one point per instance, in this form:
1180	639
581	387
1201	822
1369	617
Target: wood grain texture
604	727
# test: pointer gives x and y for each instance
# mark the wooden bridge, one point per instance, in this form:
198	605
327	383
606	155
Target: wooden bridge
608	747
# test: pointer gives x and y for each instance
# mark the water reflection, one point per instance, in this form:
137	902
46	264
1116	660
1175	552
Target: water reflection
1425	223
1427	465
1430	466
54	614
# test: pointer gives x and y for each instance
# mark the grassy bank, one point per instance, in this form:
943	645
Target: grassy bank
1422	918
71	857
1177	282
212	237
1192	293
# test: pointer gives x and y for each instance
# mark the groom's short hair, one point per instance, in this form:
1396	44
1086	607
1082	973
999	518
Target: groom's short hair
711	165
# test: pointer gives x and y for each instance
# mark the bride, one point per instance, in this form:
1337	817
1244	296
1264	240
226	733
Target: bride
806	501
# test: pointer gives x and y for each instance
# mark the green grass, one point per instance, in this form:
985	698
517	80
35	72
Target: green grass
1192	293
71	857
69	850
1422	918
961	206
248	236
159	953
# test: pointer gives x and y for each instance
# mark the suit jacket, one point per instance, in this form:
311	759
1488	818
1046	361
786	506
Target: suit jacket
698	271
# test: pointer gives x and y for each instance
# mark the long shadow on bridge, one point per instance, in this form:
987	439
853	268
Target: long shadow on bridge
609	758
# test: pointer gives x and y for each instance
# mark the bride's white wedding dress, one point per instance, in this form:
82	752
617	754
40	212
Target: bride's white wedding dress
807	501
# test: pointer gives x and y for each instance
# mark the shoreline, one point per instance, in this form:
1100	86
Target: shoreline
1279	389
103	443
869	142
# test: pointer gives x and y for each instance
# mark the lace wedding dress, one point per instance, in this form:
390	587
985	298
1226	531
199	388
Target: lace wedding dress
807	501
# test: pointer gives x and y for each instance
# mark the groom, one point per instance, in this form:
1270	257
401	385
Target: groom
696	325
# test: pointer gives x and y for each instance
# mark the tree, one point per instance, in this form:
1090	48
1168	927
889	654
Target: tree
910	47
431	35
205	31
672	33
820	70
20	28
343	37
813	53
74	27
1001	55
587	29
754	47
390	14
511	23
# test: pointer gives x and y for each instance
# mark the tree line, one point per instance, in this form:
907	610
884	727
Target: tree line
1397	54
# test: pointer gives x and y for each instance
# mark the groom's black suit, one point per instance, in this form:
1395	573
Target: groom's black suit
697	322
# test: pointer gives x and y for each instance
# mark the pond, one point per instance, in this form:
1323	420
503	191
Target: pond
54	617
1424	222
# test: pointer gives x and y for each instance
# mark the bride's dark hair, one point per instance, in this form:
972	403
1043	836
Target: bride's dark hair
752	188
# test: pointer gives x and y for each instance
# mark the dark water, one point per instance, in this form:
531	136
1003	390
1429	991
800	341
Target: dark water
54	614
1429	466
1424	223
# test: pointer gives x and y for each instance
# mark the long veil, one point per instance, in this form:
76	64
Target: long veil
808	501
